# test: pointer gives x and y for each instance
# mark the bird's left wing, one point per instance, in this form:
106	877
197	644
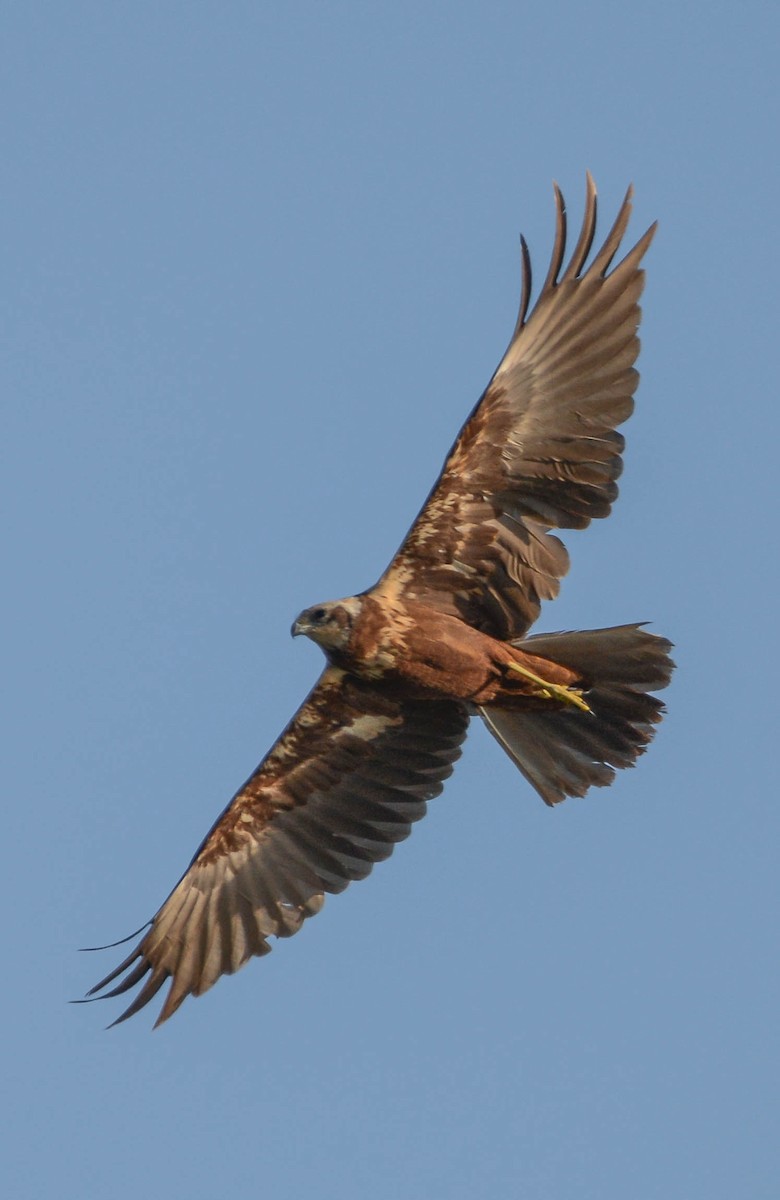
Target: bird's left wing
342	785
541	450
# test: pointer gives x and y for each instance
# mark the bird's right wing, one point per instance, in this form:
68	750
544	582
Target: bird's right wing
341	786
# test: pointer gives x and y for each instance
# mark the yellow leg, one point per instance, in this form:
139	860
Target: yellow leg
552	691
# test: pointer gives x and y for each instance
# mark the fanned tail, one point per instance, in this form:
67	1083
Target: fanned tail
564	751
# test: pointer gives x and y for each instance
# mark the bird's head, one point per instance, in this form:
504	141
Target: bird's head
329	625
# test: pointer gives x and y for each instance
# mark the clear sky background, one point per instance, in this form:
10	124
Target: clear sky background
259	260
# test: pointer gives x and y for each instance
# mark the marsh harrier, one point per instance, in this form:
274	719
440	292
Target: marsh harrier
443	637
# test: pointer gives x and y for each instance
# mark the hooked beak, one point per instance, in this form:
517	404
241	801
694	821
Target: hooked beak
299	626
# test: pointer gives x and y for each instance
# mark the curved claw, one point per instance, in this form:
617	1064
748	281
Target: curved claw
552	691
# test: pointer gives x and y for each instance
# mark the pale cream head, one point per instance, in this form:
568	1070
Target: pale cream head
330	625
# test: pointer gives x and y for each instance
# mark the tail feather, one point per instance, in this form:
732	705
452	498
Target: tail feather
563	752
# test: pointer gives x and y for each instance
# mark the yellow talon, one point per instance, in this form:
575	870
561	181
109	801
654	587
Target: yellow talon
553	691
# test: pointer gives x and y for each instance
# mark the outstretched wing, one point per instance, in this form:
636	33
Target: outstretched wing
540	451
341	786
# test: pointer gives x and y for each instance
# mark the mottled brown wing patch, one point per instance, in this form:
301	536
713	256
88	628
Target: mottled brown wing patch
540	451
342	785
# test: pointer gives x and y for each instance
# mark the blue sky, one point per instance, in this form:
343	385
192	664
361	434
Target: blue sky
258	262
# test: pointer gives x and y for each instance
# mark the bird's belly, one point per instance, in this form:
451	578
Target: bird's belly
438	662
424	651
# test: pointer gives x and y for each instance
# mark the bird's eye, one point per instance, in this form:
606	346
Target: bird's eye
318	614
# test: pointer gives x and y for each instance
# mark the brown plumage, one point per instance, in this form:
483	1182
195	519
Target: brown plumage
440	638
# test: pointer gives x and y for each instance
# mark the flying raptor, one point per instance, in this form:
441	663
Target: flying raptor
443	637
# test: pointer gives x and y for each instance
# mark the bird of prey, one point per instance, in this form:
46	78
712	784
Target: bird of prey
442	637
